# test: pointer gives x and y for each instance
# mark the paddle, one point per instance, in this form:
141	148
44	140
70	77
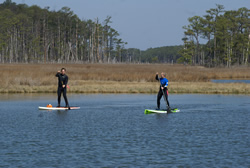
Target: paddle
163	93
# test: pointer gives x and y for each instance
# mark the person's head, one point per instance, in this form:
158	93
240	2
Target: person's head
63	71
163	75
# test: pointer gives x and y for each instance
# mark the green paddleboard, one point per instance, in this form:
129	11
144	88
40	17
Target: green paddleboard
151	111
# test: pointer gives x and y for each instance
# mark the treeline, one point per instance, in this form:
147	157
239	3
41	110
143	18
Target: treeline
227	36
36	35
32	34
167	54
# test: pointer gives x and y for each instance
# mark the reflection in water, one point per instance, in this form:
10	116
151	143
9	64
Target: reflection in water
161	117
62	114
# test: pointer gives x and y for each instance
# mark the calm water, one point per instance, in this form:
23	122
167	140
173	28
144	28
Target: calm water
230	81
113	131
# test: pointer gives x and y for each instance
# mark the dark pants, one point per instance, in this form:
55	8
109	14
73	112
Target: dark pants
59	93
160	93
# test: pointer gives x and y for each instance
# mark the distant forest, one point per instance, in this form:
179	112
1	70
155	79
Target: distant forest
227	34
33	35
30	34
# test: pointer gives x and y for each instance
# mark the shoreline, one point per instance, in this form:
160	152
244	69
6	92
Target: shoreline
114	87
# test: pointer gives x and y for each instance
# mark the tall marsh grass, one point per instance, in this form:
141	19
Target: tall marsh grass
34	77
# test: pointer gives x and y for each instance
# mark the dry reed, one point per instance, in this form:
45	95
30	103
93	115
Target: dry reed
120	78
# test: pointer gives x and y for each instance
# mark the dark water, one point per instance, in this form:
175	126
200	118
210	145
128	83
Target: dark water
230	81
113	131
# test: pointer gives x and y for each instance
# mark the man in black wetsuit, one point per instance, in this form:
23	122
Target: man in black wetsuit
62	86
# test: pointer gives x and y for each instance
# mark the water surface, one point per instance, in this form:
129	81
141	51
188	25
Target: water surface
230	81
112	131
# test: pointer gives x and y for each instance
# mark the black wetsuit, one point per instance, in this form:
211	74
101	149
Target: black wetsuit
62	80
164	84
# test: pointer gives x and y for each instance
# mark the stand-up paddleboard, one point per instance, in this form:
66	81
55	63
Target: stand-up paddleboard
58	108
151	111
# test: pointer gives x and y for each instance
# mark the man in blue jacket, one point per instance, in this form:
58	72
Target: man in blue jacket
163	89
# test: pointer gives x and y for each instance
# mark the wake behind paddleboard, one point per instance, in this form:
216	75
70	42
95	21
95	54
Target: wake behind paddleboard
150	111
58	108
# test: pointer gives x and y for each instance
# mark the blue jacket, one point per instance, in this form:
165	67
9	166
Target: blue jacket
164	81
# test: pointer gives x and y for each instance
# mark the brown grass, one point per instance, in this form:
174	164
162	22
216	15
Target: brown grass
120	78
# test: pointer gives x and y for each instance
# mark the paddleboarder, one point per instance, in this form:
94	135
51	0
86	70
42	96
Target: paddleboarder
62	87
163	91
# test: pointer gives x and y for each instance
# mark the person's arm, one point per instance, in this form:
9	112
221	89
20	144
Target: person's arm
166	83
58	73
66	81
156	76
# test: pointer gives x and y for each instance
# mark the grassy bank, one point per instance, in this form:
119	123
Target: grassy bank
120	78
135	87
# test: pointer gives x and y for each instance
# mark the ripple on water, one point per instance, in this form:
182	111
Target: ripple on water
112	131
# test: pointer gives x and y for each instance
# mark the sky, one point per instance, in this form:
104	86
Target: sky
142	24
